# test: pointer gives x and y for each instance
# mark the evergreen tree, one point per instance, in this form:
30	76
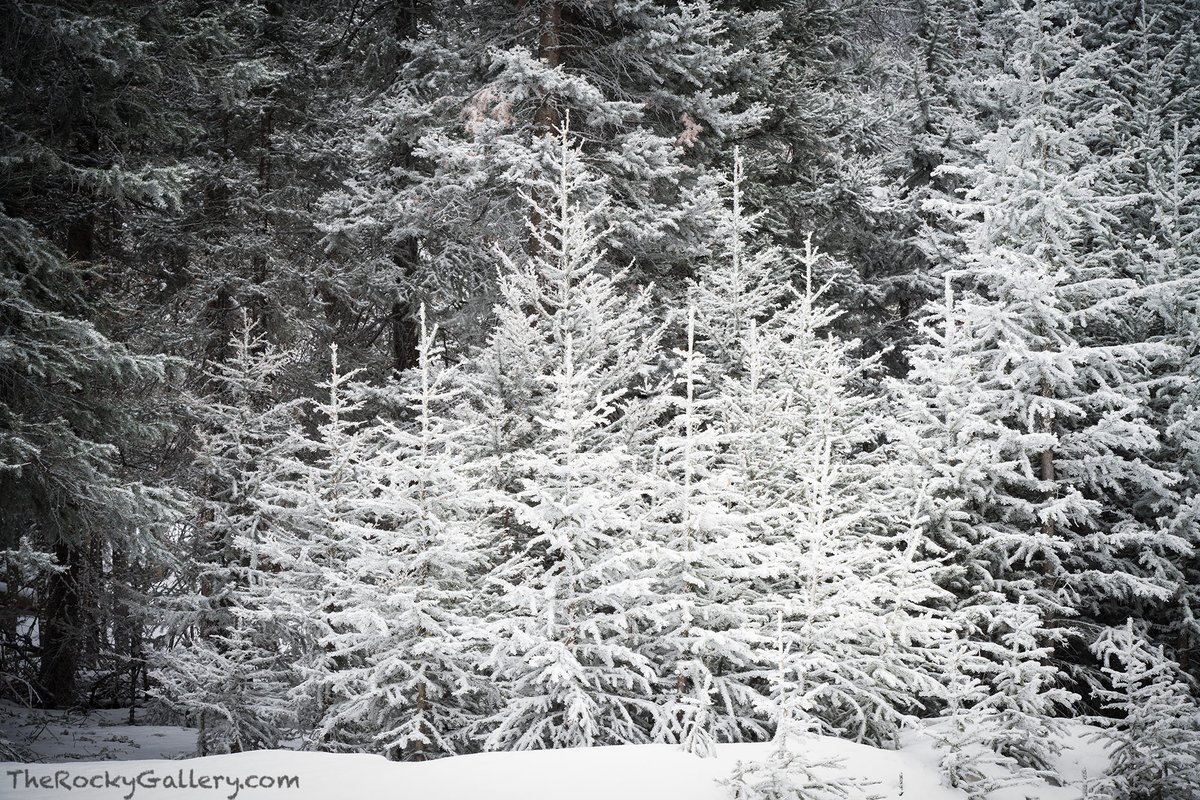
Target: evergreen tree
225	665
326	497
863	650
1057	390
89	119
1153	87
704	643
1155	742
554	379
414	689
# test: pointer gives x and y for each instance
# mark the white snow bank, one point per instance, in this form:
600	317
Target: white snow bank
641	772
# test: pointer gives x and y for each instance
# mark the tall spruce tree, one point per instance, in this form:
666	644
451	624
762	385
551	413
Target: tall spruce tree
91	115
1059	391
411	685
553	382
223	664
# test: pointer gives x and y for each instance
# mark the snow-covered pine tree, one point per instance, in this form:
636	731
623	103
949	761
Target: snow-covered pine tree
704	643
324	494
1000	690
1155	740
1157	238
1170	318
863	651
789	772
1007	716
740	282
552	384
225	665
796	425
1061	391
415	688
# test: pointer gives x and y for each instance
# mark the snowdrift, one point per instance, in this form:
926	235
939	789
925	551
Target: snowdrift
641	772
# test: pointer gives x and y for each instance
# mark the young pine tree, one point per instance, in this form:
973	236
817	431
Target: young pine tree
1155	741
552	384
325	496
416	687
704	642
227	668
797	426
1001	688
863	651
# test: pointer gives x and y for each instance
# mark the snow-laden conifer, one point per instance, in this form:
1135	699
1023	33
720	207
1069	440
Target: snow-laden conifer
862	623
414	688
228	669
1056	391
1001	692
553	383
1154	744
704	639
326	498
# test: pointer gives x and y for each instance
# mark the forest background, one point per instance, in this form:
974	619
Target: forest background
421	378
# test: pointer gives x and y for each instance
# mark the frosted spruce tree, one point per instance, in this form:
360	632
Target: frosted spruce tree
1154	744
701	525
1001	689
797	425
699	513
1168	319
414	688
90	146
1156	238
226	668
551	386
1060	395
863	652
326	498
789	772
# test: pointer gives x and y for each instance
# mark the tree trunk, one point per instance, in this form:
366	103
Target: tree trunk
61	634
549	50
546	119
402	321
62	628
1046	464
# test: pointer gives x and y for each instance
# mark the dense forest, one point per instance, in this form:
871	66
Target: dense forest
424	378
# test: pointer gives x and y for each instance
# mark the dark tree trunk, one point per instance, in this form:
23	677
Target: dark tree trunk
62	635
62	629
402	320
1046	465
549	50
403	323
546	119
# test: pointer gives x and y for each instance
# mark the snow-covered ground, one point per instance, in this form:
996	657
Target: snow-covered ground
98	756
105	735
